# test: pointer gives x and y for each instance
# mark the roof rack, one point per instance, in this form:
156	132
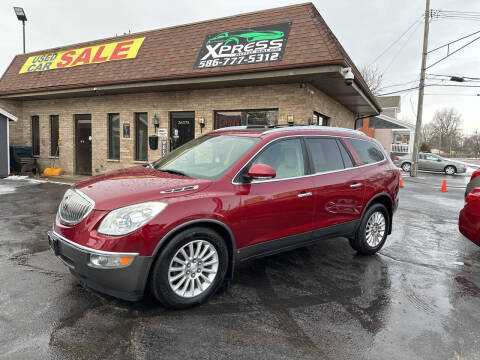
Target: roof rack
275	128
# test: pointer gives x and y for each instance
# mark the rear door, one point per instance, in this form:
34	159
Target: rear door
339	186
281	207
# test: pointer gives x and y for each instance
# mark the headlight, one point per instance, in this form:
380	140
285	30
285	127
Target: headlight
129	218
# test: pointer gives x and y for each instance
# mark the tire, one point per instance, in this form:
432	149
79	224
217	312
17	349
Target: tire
205	271
406	167
450	170
365	245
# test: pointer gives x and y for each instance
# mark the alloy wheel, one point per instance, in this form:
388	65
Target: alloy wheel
449	170
193	268
375	229
406	167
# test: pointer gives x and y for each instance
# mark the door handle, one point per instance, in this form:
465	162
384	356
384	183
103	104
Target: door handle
305	194
355	185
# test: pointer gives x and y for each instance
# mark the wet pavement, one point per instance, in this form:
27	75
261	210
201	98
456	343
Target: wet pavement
418	298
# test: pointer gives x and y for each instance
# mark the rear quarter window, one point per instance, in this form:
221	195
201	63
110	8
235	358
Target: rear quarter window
368	151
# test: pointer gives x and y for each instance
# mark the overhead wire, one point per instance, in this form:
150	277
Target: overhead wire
396	41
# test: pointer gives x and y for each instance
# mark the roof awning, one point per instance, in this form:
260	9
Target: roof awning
8	115
328	79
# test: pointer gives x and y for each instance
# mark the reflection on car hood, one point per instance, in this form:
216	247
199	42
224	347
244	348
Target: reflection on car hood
135	185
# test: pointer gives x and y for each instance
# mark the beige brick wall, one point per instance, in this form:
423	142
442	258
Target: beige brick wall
339	115
290	99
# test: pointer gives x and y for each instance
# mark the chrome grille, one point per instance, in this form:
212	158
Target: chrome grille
74	207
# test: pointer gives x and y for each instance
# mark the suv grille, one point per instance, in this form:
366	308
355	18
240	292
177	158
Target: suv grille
74	207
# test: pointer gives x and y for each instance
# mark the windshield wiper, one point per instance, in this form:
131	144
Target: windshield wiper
176	172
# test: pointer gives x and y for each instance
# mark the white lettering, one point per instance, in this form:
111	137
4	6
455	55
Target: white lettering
276	43
212	51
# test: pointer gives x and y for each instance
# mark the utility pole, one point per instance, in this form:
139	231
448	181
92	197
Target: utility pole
421	88
23	23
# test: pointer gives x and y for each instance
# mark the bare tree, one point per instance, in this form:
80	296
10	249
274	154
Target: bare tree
446	123
473	143
373	77
428	133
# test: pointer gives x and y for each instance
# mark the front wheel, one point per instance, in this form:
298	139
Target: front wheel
450	170
190	268
372	231
406	167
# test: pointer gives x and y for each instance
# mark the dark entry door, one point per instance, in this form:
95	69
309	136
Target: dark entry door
182	128
83	144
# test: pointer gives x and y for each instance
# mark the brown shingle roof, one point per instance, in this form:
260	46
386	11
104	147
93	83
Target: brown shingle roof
170	53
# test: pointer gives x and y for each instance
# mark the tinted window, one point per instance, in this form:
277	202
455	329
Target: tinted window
325	154
114	136
35	135
285	156
347	159
141	137
431	157
367	150
54	146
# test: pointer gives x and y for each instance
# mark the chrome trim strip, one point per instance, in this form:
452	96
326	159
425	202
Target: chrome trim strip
176	190
87	249
303	176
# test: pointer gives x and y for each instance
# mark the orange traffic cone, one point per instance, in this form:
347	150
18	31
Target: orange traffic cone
444	186
401	182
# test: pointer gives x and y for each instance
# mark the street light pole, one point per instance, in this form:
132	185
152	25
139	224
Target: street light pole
23	23
21	17
421	89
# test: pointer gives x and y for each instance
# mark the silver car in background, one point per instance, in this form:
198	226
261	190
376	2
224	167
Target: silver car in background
430	162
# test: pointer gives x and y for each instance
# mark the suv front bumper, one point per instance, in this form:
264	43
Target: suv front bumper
126	282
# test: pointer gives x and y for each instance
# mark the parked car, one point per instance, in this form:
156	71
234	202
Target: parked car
179	226
430	162
473	183
469	220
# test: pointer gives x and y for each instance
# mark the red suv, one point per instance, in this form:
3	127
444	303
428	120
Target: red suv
180	225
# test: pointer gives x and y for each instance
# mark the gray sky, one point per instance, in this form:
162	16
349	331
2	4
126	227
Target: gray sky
364	27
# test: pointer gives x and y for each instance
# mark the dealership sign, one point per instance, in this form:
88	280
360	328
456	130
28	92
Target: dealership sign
245	46
118	50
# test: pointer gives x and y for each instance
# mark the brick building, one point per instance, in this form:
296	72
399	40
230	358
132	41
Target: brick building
104	99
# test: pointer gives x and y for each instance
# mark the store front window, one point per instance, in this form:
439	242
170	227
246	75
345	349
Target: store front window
245	117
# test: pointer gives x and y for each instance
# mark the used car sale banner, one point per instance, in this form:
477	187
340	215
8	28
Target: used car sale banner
245	46
118	50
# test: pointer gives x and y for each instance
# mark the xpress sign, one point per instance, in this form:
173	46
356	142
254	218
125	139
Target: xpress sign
245	46
118	50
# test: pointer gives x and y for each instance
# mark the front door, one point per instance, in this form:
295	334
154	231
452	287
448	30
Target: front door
282	207
182	128
83	144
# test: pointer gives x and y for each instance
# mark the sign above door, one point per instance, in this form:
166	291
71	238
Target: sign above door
245	46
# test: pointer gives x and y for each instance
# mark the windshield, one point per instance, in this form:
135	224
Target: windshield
207	157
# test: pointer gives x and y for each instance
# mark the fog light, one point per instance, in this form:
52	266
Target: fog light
107	261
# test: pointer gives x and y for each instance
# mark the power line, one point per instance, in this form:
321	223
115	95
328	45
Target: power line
417	87
395	42
401	48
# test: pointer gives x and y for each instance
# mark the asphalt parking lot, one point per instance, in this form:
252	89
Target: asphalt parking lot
418	298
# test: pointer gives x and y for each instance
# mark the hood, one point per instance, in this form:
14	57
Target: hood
135	185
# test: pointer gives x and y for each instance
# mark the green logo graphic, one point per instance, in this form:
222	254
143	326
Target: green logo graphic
234	37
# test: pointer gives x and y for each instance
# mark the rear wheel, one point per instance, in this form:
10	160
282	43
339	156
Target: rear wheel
372	231
450	170
406	167
190	268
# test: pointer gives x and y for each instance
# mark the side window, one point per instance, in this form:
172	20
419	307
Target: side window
368	151
325	154
431	157
347	158
285	156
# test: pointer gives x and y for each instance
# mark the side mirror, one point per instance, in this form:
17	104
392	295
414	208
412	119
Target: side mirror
261	172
